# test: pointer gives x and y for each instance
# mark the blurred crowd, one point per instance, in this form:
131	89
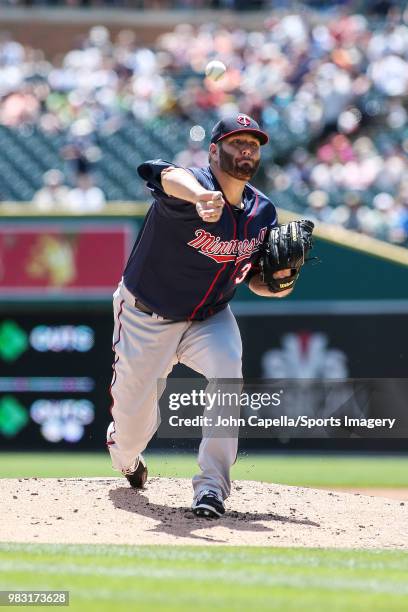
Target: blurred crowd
335	82
360	184
303	68
371	6
236	5
55	195
145	4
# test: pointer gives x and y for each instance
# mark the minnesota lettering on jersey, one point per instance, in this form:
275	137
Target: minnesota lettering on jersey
223	251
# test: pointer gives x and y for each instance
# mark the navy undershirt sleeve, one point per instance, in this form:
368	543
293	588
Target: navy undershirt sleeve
150	171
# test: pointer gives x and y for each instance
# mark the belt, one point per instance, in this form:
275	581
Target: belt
142	307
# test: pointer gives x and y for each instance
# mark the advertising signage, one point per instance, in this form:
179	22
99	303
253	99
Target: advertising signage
75	259
55	368
55	371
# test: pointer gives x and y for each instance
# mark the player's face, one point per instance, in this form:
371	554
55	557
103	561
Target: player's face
240	155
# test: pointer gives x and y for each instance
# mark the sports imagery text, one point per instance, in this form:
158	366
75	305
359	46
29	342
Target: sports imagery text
302	421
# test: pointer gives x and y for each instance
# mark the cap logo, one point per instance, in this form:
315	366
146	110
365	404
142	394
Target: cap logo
244	120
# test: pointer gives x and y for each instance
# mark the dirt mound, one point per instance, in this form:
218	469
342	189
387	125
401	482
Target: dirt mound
108	511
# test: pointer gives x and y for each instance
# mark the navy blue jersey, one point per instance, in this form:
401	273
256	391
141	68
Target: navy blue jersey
183	268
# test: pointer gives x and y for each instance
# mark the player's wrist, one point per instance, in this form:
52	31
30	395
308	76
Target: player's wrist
279	284
199	195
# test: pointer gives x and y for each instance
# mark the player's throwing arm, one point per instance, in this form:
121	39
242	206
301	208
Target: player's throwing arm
181	184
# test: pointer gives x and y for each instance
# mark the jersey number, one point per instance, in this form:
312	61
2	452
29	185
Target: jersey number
243	274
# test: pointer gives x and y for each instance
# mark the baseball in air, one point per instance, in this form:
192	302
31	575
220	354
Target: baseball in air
215	70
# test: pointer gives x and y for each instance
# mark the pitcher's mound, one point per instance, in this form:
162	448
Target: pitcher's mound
108	511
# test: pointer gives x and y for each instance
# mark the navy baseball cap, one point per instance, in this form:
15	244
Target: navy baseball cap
238	123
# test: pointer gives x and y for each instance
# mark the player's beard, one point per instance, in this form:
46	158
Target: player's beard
242	170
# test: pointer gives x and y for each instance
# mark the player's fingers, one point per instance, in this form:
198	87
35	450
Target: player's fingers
217	203
211	195
210	206
211	212
211	216
218	196
214	206
203	204
208	210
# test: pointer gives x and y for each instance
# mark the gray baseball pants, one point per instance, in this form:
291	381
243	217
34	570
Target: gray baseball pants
146	349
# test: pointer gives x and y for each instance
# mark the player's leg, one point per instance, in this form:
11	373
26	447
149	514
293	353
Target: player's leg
145	350
213	348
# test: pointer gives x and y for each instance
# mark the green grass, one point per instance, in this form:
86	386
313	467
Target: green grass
182	579
302	470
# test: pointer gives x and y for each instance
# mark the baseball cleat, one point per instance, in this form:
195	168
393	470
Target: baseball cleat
138	478
208	504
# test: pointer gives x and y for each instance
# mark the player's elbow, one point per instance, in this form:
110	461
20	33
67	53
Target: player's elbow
174	181
165	176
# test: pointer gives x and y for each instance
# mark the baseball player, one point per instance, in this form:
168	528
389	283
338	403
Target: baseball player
200	239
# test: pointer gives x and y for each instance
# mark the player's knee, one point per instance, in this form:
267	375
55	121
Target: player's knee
228	363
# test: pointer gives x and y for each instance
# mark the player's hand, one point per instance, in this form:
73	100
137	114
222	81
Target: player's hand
282	273
210	206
